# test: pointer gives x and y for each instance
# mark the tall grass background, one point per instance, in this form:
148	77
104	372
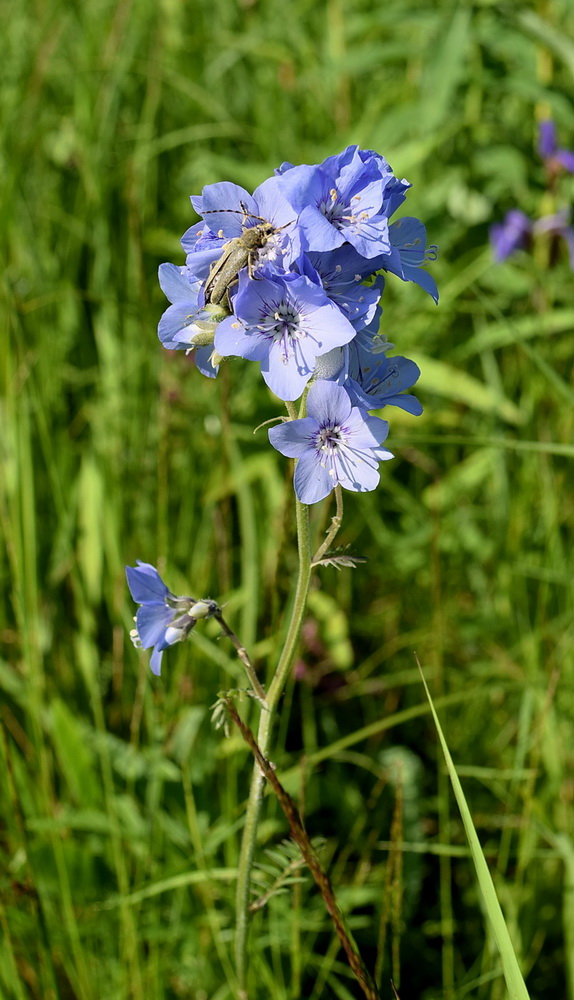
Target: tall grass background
121	807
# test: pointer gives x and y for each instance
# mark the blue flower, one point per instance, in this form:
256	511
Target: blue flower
336	443
375	381
163	619
285	322
409	251
347	198
512	234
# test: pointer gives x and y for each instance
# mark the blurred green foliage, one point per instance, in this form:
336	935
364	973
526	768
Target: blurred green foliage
121	807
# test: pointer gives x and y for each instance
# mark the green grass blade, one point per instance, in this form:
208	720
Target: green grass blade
514	981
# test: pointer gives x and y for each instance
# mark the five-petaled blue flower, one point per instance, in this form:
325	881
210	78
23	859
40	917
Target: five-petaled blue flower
336	443
163	619
346	199
286	322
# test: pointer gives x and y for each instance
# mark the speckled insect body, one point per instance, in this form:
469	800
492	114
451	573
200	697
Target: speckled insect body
237	253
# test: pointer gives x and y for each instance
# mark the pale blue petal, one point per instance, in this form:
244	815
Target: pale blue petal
232	338
312	481
224	206
365	432
155	662
152	621
175	285
174	323
294	437
367	478
328	403
202	358
317	232
145	583
288	378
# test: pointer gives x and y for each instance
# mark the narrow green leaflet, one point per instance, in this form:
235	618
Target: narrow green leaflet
514	981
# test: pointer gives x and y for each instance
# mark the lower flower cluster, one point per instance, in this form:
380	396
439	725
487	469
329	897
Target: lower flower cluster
292	277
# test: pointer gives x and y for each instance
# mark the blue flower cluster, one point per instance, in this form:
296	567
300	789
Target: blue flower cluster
290	276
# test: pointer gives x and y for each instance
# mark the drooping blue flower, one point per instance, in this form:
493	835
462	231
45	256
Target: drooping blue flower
163	619
375	381
336	443
347	198
187	324
285	322
512	234
409	251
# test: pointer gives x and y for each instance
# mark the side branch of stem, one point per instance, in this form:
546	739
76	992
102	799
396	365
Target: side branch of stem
310	856
336	522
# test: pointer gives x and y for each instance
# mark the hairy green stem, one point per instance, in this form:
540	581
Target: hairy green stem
266	721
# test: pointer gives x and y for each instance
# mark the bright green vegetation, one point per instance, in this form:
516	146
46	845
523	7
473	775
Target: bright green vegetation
121	806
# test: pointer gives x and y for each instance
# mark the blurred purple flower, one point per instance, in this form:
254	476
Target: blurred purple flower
512	234
549	151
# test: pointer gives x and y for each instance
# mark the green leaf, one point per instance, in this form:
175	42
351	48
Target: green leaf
512	974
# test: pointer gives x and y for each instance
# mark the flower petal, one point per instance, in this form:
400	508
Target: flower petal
328	403
366	477
175	285
145	583
312	481
293	438
155	661
152	621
